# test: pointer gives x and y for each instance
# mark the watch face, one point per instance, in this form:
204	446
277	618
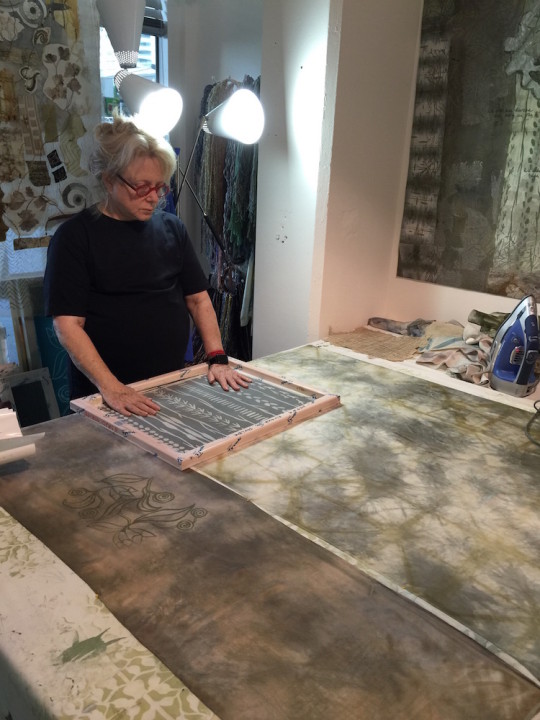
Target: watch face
219	360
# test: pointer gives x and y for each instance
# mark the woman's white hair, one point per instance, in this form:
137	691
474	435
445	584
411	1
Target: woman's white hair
118	143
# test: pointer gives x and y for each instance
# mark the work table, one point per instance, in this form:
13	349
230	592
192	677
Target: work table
353	561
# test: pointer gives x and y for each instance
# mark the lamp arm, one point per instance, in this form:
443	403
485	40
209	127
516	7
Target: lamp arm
207	220
184	174
216	237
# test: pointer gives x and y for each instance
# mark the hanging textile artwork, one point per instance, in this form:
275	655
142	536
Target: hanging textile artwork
49	101
226	183
472	203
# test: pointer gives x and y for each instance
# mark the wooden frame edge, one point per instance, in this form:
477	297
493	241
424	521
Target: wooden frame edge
317	403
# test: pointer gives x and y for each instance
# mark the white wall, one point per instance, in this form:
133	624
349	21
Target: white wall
373	120
338	85
294	66
377	63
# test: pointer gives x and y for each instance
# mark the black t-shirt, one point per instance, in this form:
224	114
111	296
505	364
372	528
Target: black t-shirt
128	279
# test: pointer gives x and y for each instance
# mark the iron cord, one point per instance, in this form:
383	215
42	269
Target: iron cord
531	421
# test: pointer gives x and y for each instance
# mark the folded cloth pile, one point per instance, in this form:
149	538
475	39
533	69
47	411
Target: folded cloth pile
464	355
463	351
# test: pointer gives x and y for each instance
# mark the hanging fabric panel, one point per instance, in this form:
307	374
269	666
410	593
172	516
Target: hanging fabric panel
50	101
225	179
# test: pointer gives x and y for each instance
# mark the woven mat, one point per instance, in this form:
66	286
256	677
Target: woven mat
378	344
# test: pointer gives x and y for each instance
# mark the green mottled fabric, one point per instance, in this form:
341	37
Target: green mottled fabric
435	489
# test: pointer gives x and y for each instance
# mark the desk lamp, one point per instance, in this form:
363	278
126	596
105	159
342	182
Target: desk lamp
123	20
241	118
156	108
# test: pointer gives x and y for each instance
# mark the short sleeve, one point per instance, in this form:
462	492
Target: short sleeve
67	280
192	279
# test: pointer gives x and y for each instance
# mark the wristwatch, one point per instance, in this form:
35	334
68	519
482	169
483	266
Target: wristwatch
220	359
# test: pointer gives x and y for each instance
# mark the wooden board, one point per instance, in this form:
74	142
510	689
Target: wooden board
198	421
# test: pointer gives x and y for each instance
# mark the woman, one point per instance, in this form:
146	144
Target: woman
122	279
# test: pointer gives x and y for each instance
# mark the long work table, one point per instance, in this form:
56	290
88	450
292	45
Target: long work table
377	561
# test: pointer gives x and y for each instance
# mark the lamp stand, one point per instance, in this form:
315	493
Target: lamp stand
185	181
207	220
185	172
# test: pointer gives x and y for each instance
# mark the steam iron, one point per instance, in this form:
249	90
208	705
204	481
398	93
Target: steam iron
515	350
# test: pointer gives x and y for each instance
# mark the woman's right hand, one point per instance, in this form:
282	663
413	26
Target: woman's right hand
72	335
128	401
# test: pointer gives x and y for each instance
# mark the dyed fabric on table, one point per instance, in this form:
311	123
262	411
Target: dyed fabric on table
84	663
258	621
434	489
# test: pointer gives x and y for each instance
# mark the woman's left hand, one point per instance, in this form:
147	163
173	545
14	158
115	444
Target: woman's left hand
227	377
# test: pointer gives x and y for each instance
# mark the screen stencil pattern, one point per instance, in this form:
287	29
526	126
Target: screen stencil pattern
198	421
193	412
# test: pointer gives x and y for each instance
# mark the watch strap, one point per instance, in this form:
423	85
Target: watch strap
219	359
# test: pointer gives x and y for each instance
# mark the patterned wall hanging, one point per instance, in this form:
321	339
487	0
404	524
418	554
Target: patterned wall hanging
198	421
472	204
50	102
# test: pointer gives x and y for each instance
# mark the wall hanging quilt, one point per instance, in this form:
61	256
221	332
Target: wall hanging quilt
472	203
49	103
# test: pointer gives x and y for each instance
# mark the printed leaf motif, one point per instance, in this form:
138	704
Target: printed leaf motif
166	516
28	220
40	203
126	507
84	649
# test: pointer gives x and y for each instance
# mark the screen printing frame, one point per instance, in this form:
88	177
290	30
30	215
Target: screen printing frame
316	403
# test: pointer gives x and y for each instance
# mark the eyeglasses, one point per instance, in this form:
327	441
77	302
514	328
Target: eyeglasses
143	190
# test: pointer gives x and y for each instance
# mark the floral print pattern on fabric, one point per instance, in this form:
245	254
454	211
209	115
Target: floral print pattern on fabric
54	624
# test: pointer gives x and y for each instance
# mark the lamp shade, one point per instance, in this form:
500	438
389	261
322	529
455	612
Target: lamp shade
156	108
123	21
241	117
